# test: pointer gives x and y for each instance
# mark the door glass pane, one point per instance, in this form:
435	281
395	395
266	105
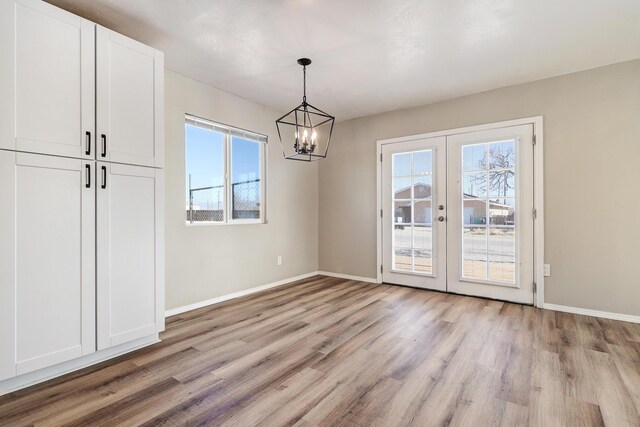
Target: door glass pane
402	164
402	212
474	253
502	254
488	211
502	183
422	254
402	236
422	162
412	194
422	187
402	247
402	259
502	211
474	211
402	188
422	212
422	261
474	157
502	155
474	184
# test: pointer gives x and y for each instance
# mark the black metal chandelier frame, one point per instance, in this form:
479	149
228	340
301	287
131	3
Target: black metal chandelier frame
302	120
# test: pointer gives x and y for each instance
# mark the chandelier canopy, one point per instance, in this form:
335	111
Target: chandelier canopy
305	132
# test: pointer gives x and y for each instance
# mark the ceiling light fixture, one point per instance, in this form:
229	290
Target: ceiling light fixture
305	132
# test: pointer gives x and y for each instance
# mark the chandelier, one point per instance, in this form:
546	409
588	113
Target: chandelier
305	132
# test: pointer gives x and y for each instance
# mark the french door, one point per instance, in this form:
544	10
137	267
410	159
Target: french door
457	213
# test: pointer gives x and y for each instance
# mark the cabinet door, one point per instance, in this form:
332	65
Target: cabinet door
130	87
47	80
47	261
129	253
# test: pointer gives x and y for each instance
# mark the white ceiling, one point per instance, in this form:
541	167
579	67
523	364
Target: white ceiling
371	56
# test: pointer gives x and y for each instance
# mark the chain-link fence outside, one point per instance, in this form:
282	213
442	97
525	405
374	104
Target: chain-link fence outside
206	204
245	199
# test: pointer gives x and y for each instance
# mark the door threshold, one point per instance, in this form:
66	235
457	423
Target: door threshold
458	294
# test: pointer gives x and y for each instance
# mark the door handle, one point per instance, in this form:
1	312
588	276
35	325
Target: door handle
88	150
87	169
104	177
440	218
104	145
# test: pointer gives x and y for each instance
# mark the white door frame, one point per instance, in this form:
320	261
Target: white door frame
538	191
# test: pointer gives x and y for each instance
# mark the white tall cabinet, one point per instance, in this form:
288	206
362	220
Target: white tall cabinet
81	193
129	231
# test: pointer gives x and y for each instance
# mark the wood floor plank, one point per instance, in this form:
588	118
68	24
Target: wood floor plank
333	352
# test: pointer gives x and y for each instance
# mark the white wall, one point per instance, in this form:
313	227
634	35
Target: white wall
592	180
207	261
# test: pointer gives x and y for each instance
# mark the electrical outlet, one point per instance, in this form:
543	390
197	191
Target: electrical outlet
279	259
547	270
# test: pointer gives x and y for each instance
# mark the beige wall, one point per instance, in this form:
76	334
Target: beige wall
207	261
592	180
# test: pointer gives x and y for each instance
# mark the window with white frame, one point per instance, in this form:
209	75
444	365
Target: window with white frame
225	176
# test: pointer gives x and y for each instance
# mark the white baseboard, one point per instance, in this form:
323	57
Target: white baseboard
194	306
595	313
41	375
349	277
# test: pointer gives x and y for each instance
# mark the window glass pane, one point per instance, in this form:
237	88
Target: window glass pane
245	179
474	157
474	253
402	164
502	254
205	192
422	162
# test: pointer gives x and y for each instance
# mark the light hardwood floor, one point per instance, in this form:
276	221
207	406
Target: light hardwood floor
329	352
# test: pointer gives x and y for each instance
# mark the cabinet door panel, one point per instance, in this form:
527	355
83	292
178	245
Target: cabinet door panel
130	96
48	72
51	283
128	253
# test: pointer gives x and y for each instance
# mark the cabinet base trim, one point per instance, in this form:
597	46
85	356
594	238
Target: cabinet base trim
41	375
195	306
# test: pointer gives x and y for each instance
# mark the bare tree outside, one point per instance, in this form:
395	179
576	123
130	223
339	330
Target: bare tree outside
501	165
